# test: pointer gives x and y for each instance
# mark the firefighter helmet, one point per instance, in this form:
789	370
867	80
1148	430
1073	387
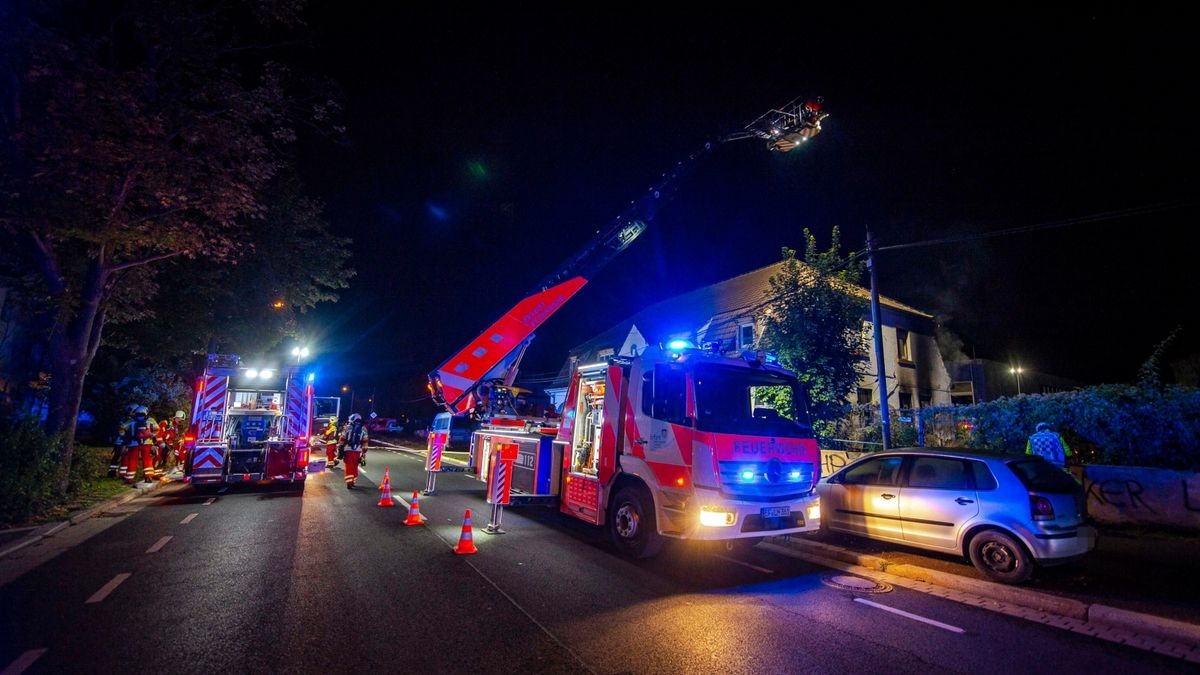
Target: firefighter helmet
130	408
141	410
355	417
179	414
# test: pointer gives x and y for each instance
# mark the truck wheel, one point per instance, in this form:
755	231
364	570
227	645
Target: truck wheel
1001	557
632	525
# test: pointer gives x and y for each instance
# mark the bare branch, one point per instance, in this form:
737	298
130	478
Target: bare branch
144	261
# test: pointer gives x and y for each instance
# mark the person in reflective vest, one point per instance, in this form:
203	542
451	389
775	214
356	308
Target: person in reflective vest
164	441
1045	442
116	464
139	444
354	446
330	435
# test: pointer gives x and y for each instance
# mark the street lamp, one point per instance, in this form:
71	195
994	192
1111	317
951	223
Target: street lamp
1017	370
348	389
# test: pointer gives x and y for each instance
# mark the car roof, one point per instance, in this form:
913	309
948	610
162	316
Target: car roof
964	453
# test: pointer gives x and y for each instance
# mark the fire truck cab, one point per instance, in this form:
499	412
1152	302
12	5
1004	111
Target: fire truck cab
248	424
675	443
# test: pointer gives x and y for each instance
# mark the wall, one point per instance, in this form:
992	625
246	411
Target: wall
1130	495
1117	495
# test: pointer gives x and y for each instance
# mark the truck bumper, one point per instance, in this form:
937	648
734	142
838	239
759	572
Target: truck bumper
711	516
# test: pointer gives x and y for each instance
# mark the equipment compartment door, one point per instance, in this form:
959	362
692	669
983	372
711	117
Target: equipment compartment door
581	489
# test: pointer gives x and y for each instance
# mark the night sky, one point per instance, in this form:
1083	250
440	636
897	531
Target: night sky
483	149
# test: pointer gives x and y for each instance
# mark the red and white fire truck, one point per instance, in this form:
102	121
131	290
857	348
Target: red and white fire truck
248	424
676	442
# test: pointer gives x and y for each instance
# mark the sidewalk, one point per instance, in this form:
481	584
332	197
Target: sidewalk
1136	570
15	539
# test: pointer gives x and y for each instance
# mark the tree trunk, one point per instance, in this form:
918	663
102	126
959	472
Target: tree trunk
72	349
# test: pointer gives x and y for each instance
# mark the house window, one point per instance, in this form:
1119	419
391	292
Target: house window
905	400
864	396
902	351
746	336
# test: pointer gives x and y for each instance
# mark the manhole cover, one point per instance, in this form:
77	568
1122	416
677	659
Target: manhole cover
846	582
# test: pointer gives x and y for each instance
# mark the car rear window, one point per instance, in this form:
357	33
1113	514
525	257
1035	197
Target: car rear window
1041	476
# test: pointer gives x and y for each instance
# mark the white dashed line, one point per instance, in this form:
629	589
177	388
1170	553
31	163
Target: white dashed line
158	545
108	588
210	500
187	520
744	564
909	615
23	661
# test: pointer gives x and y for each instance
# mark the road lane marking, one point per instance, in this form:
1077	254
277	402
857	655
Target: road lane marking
743	564
159	544
187	520
23	661
910	615
210	500
108	588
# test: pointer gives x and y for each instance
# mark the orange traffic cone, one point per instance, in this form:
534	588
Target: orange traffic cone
385	499
386	479
414	512
466	545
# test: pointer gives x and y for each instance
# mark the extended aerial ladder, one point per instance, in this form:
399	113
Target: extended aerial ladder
495	355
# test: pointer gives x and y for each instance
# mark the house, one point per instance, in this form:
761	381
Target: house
733	311
980	380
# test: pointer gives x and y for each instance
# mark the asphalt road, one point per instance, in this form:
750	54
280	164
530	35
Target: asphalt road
266	580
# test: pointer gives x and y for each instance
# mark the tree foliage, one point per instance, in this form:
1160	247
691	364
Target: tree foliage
138	132
814	321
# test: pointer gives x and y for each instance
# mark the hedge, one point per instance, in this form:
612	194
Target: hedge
1109	424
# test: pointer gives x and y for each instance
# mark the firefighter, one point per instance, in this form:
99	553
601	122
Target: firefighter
165	438
330	435
181	424
117	463
139	444
1046	443
354	446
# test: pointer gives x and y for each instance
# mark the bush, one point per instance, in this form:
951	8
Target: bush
1109	424
29	471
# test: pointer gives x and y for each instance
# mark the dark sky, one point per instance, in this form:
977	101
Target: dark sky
484	148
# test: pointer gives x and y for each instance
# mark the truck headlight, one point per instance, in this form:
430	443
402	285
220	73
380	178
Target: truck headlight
715	516
813	512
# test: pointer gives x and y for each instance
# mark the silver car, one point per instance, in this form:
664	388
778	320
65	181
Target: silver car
1003	513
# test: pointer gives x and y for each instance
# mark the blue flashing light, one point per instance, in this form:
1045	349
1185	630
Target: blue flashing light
795	475
678	345
311	377
747	475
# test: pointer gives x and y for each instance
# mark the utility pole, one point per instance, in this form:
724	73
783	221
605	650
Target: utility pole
877	329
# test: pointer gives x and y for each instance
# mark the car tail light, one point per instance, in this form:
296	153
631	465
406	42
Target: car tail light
1041	508
302	460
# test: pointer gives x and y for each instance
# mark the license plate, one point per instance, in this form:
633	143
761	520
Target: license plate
776	512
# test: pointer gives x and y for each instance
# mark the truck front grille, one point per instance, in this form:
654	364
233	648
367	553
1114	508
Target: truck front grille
771	480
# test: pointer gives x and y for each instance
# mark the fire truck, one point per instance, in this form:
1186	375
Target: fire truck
249	424
680	441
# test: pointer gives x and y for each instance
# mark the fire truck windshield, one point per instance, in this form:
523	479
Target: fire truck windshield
735	400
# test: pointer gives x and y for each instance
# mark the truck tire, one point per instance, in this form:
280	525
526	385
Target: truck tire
1001	557
631	524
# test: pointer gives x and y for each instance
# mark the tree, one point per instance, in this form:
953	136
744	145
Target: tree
135	133
815	323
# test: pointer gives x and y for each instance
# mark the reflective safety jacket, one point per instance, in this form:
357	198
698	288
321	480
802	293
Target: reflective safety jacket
1049	445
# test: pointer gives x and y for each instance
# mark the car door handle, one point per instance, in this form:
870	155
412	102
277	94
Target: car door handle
888	496
964	500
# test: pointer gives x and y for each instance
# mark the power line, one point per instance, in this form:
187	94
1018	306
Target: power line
1079	220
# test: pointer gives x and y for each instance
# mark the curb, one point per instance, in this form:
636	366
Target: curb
1093	613
52	529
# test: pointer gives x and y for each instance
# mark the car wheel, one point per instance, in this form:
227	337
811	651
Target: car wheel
1001	557
631	524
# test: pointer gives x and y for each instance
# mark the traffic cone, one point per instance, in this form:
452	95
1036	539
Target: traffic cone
385	499
414	512
466	545
386	479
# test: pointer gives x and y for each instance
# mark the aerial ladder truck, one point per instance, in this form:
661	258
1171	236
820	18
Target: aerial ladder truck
668	443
